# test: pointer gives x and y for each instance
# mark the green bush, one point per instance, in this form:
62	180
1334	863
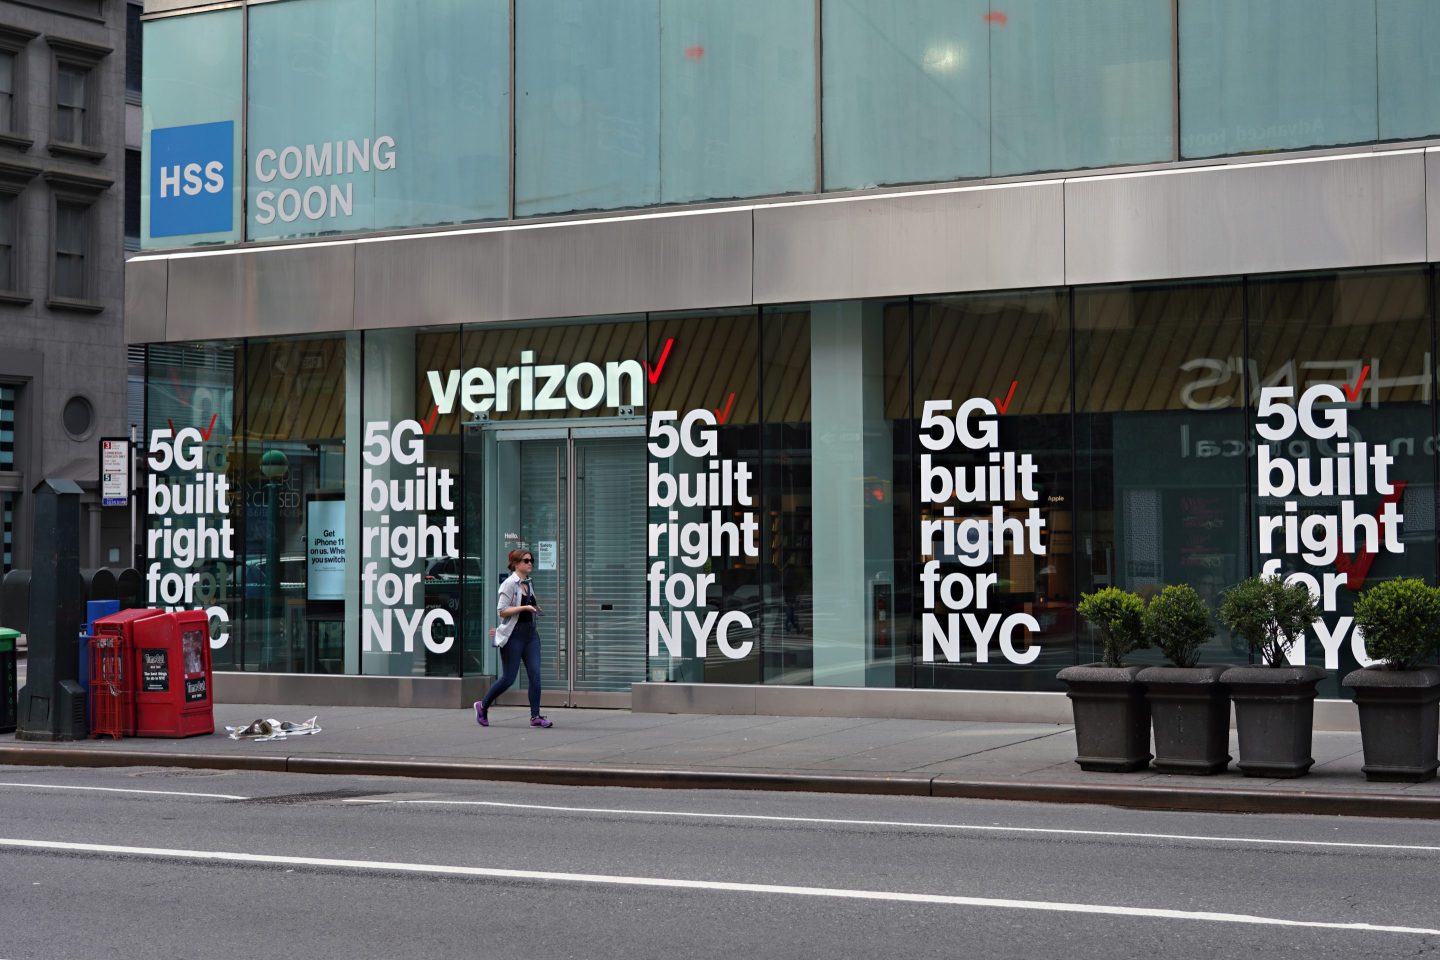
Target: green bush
1401	621
1178	623
1119	615
1270	614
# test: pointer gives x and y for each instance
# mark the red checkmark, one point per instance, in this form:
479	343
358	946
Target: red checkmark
1002	407
428	423
1355	394
205	434
654	372
1357	568
729	404
172	426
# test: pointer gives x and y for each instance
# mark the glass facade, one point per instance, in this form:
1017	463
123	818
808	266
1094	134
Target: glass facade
366	115
905	493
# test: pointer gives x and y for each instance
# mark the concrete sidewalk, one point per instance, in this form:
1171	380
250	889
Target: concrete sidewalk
614	747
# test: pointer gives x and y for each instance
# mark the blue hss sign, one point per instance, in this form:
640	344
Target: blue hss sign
191	179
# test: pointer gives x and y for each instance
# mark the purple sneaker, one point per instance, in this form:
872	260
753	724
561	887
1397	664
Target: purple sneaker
540	722
482	716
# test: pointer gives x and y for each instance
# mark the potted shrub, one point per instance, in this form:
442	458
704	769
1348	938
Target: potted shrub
1112	719
1398	698
1188	703
1274	702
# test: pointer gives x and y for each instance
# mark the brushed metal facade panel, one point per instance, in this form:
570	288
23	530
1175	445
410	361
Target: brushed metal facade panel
441	693
979	238
1432	203
259	293
146	283
1327	213
584	268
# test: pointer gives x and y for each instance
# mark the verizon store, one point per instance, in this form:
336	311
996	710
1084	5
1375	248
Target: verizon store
838	447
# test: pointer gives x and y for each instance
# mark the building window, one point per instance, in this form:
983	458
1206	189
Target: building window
78	417
76	92
7	426
9	236
7	463
71	88
134	45
7	91
132	200
72	236
13	41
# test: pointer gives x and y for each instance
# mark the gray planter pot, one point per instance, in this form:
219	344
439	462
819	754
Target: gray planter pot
1399	722
1190	708
1274	717
1112	719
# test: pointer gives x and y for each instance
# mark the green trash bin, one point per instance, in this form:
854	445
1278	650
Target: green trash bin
9	696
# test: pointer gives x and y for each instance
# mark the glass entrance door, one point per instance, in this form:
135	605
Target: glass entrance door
576	498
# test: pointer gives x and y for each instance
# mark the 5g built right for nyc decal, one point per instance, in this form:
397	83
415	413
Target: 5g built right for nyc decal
1348	539
1006	477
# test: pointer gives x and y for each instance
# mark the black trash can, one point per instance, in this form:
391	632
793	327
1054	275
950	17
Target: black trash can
9	673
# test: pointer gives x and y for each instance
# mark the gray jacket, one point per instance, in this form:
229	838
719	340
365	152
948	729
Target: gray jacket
511	592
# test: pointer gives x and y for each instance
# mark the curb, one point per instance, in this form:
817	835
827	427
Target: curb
1190	799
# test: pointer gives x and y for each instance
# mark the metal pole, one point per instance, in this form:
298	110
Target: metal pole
272	576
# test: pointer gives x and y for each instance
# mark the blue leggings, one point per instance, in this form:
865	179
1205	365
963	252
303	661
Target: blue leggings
524	644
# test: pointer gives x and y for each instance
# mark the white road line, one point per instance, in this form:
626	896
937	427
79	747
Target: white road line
158	793
665	882
982	828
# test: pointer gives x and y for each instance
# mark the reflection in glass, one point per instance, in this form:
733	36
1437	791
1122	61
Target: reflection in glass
293	456
1364	336
1160	445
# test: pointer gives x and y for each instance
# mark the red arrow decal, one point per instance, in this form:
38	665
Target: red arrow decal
654	372
1002	407
205	434
729	404
1357	568
1355	394
428	423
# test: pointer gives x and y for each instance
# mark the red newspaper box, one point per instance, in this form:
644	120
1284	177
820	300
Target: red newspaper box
172	659
112	672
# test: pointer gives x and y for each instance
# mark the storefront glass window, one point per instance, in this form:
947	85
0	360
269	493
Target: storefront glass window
994	584
587	105
348	100
1409	35
191	549
293	486
192	112
442	90
1276	76
1080	84
1344	492
708	583
786	479
1161	454
634	103
737	98
907	91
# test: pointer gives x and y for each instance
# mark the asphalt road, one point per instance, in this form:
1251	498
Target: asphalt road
158	863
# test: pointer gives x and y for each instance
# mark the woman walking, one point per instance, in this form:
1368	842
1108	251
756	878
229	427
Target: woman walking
517	638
